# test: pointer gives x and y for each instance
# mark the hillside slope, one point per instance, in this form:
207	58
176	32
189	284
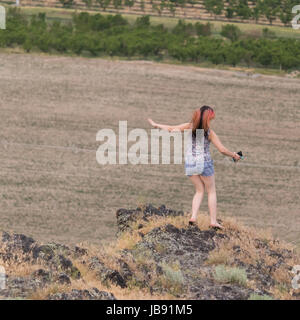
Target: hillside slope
156	254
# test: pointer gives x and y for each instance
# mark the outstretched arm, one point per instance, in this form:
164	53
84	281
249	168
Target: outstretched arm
179	127
217	142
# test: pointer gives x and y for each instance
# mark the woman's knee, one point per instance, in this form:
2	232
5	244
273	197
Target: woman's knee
209	183
200	191
198	183
211	189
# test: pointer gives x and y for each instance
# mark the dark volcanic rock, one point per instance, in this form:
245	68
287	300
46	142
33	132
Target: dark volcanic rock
189	245
92	294
106	274
62	278
21	287
206	289
125	271
126	217
14	245
17	242
189	248
43	275
55	259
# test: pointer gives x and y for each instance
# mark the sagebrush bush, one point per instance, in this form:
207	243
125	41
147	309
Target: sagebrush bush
230	275
173	274
172	278
255	296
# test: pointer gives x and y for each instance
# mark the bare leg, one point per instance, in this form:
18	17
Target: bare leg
210	187
198	197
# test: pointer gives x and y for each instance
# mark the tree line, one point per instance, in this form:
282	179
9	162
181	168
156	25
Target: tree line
112	35
232	9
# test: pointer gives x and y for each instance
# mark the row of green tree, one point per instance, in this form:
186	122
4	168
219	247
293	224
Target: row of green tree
102	35
240	9
255	9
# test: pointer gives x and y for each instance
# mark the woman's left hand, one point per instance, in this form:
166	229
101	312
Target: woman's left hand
236	157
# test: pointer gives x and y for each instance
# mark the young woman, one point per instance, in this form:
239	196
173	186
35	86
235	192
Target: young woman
204	180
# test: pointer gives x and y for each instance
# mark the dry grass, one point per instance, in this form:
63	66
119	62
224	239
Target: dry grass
129	239
220	256
243	245
89	280
42	294
19	264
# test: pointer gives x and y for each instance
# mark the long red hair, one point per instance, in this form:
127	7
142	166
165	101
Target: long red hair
201	118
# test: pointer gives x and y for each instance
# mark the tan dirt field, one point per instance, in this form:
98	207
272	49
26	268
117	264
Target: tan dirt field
52	107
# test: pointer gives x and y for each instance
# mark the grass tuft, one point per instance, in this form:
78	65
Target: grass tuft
255	296
172	278
230	275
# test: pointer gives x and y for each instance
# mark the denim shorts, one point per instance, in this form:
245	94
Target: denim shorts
207	171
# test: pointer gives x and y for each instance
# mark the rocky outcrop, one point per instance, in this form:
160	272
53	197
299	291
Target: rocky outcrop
125	217
18	250
168	258
185	252
106	275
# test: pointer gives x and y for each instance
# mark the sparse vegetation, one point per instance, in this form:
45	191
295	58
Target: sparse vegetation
231	32
220	256
230	275
260	297
172	278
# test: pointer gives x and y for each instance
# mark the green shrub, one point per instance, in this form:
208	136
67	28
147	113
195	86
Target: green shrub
67	3
214	6
203	29
229	13
172	278
184	29
230	275
267	33
88	3
255	296
231	32
104	3
174	275
143	22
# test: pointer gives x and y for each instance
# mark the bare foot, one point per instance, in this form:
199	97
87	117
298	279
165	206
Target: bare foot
216	226
192	222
